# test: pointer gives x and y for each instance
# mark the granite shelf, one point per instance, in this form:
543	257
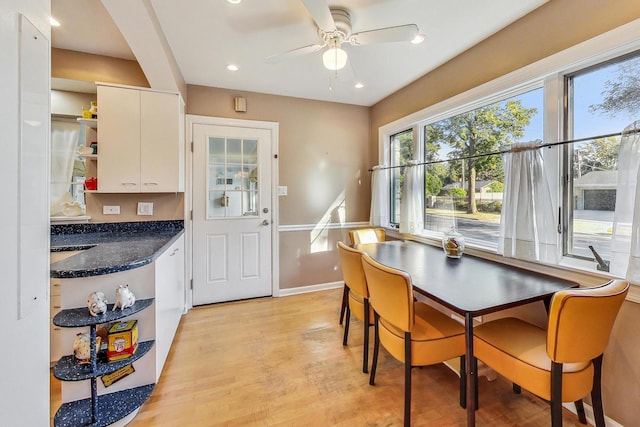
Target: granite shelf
78	317
111	408
68	369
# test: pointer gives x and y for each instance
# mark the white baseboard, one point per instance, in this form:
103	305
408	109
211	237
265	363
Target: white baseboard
309	288
588	411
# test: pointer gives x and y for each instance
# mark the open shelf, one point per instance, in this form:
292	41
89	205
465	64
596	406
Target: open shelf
111	408
92	123
68	368
78	317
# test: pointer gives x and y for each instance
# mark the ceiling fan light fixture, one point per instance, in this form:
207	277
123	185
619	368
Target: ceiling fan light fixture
334	58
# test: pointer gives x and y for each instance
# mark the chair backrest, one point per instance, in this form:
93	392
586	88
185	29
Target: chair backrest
367	235
390	293
352	272
581	319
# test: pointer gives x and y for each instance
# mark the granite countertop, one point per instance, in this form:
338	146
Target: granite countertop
109	248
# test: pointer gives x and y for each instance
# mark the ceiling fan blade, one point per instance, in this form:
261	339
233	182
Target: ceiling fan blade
320	12
284	56
400	33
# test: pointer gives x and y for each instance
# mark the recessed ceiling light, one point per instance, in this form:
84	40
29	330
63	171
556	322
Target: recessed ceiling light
54	22
419	38
234	1
232	67
358	85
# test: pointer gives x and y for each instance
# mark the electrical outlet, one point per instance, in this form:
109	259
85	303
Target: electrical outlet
282	190
111	210
145	208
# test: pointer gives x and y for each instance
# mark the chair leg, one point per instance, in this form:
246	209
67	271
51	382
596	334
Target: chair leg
365	355
556	394
346	325
596	392
516	388
345	294
407	379
580	411
376	346
463	382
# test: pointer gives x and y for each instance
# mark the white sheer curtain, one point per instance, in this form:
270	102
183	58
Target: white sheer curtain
528	223
411	201
379	216
64	143
625	239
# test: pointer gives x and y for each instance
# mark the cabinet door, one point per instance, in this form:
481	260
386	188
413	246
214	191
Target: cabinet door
170	292
118	140
159	142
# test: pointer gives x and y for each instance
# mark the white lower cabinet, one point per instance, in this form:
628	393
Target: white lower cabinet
162	282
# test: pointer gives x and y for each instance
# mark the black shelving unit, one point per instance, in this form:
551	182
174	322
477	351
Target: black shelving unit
98	411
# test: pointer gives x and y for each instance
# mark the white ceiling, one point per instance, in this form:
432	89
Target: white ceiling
206	35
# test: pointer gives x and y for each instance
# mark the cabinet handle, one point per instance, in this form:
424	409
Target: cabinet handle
129	183
57	306
174	252
150	183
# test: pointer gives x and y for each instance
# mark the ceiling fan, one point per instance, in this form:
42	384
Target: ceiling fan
334	29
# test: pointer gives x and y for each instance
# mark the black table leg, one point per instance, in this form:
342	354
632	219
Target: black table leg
471	371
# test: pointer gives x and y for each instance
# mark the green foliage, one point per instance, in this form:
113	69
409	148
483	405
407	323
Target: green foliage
599	154
496	187
457	192
433	184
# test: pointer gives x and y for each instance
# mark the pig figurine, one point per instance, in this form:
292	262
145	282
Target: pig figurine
124	297
82	346
97	303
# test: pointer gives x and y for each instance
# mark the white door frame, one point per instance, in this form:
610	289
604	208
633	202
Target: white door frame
274	127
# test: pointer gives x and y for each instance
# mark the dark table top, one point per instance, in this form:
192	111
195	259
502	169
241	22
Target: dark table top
466	285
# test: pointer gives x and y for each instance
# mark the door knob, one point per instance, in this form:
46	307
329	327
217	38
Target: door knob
265	222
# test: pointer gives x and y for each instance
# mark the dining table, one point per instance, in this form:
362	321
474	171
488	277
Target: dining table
469	286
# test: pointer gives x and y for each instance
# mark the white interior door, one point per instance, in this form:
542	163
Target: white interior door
231	213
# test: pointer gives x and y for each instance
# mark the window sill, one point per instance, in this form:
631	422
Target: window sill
580	271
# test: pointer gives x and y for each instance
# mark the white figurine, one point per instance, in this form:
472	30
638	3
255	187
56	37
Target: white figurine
82	346
97	303
124	297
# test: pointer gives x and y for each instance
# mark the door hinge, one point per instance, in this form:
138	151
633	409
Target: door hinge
192	146
191	215
191	284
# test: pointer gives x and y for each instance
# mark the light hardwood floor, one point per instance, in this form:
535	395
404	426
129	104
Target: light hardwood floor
280	362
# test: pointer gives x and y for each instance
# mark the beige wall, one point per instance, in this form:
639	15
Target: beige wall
72	65
323	158
557	25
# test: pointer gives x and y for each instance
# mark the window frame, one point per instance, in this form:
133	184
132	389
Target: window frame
549	73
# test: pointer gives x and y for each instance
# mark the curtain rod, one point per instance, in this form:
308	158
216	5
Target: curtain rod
494	153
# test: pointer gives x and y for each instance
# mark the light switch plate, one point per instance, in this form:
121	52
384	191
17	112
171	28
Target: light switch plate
111	210
145	208
282	190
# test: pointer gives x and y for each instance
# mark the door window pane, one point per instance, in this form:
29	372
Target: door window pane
232	180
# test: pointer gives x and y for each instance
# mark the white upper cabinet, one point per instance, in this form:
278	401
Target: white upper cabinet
139	141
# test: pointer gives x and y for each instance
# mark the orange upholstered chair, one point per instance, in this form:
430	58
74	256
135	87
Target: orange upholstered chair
363	235
412	332
564	362
357	296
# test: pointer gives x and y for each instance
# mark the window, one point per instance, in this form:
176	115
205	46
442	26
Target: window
581	93
401	151
601	100
467	193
